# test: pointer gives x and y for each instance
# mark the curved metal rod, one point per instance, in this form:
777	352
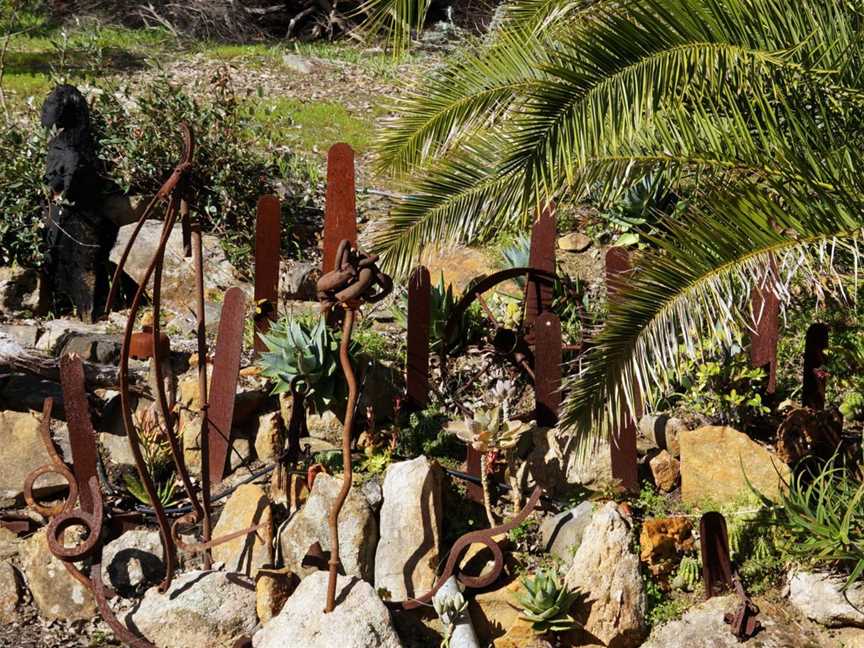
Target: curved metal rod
347	475
485	537
57	466
126	410
199	547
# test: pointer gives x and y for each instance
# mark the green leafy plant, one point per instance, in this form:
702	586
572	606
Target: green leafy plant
302	357
546	603
156	451
824	519
688	575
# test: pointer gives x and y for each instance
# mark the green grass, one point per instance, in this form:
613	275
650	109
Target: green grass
311	126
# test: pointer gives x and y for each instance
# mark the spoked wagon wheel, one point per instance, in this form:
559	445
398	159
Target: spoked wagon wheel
515	343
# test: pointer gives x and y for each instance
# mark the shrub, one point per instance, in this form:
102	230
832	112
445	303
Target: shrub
138	145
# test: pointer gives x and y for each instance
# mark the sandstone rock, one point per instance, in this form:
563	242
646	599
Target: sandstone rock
359	620
607	571
326	426
410	534
666	470
247	506
272	589
56	592
9	543
715	459
24	334
298	280
10	592
178	271
554	463
661	432
459	264
521	635
373	492
662	541
562	533
133	562
121	209
820	598
19	290
297	64
574	242
93	347
358	530
57	332
494	613
270	439
23	452
199	609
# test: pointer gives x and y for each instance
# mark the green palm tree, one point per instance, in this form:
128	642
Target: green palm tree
751	109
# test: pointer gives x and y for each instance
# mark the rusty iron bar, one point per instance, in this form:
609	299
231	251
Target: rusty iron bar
547	369
354	280
719	575
539	290
56	466
419	314
340	213
142	346
268	238
625	461
815	376
766	311
203	409
485	537
223	388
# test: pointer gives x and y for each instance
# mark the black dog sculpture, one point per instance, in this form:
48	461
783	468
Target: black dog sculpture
78	236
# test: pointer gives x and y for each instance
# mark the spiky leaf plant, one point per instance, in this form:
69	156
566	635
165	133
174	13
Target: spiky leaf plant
546	603
302	357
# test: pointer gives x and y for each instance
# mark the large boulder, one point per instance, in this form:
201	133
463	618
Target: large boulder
19	291
23	451
555	464
56	593
562	534
178	272
247	506
358	530
359	620
820	598
199	609
702	626
133	562
606	570
718	461
410	535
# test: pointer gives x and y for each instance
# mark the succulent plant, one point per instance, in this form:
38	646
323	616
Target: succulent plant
303	358
688	575
546	603
489	432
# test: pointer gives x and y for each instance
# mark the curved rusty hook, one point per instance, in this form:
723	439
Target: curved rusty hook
57	466
485	537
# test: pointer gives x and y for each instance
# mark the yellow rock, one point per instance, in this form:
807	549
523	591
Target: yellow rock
493	613
248	553
715	459
272	589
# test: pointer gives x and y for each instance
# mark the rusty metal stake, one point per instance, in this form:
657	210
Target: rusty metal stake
340	214
763	342
538	290
223	389
547	368
625	461
268	238
814	379
419	313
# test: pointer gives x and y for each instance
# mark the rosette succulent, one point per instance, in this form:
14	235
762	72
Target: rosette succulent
546	603
303	358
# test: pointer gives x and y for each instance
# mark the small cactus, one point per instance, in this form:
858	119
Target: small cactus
688	575
546	603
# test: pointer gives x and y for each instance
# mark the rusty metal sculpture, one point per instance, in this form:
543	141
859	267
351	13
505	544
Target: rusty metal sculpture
547	369
718	575
539	291
354	280
625	466
340	213
766	311
268	239
485	537
419	313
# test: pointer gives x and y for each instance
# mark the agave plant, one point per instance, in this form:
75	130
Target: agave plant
488	432
750	111
546	603
303	359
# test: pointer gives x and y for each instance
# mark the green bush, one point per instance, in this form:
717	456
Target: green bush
139	144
